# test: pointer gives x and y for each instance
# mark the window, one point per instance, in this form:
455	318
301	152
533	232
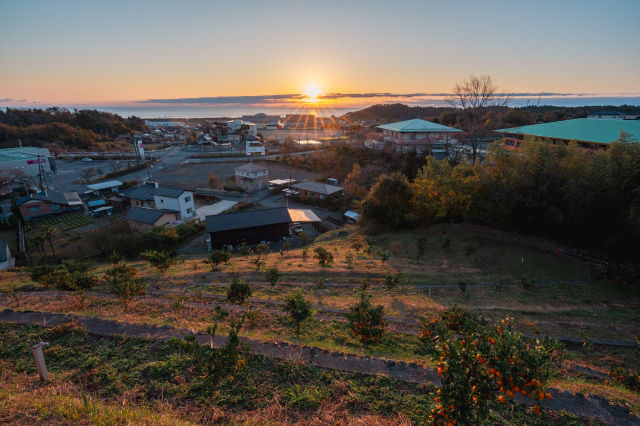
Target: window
187	199
161	200
34	209
54	207
189	210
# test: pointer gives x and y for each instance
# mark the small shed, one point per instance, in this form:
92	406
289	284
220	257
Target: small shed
105	187
119	202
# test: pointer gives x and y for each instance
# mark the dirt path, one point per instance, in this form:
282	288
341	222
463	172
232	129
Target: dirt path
590	406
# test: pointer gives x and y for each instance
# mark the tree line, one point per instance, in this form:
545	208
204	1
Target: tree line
80	129
554	191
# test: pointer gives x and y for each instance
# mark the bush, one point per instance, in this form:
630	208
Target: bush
239	291
217	257
480	363
262	248
298	308
122	282
392	280
625	378
366	321
161	260
324	256
72	276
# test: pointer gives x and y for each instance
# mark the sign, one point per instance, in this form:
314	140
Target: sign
40	161
140	150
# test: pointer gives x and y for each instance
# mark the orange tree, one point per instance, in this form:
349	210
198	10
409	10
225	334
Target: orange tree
365	320
482	365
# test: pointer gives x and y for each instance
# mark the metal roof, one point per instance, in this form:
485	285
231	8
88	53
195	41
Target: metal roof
248	219
303	215
580	129
66	198
317	187
144	192
96	203
250	167
105	185
165	191
417	126
144	215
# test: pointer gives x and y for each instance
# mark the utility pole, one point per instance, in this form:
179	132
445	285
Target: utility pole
289	193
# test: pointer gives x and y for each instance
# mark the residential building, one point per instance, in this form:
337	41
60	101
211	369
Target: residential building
312	189
105	187
151	195
300	121
421	135
154	124
262	120
252	177
48	203
588	133
235	125
613	115
255	146
255	226
143	219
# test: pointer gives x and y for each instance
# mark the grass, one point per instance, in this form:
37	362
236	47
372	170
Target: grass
109	380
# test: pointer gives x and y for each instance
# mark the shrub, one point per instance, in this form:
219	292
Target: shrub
615	272
463	286
262	248
304	238
366	321
272	275
239	291
72	276
357	246
215	364
298	308
216	257
384	255
391	281
161	260
122	281
480	363
244	250
421	244
324	256
349	259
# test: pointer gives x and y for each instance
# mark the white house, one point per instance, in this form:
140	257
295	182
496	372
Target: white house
254	146
235	125
174	199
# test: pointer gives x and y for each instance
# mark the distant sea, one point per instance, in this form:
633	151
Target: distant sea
182	111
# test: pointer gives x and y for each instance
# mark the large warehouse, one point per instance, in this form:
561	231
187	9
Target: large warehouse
31	160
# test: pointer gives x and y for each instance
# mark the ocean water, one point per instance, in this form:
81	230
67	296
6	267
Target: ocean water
182	111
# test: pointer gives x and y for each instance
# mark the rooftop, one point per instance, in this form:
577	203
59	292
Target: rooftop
317	187
417	126
104	185
66	198
580	130
250	167
145	215
263	217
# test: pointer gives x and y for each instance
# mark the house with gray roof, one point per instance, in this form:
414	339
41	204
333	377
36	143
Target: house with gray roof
48	203
143	219
252	177
312	189
152	195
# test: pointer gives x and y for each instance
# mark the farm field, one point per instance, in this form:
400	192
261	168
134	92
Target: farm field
562	301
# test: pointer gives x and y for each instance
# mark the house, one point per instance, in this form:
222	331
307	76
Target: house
254	146
255	226
252	177
588	133
613	115
152	195
143	219
312	189
421	135
48	203
119	202
235	125
6	260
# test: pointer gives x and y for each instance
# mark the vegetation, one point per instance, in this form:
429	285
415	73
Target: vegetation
239	291
298	308
123	283
366	321
216	257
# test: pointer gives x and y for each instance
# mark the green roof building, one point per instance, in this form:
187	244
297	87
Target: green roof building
419	134
586	132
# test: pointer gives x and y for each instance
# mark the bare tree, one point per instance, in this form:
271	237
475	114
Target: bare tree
88	173
472	96
9	176
115	166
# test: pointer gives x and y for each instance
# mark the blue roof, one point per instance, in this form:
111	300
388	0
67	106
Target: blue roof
417	126
96	203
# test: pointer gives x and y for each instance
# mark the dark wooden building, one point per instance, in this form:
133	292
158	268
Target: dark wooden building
251	227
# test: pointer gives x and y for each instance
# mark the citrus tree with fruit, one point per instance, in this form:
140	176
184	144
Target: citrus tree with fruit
481	365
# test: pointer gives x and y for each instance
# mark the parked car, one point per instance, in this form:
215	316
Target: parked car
297	228
87	159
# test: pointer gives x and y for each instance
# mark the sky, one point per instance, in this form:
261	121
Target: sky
273	52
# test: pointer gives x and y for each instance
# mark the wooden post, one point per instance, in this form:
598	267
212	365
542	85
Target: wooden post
37	354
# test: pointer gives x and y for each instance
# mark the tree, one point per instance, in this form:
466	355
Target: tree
272	275
388	203
161	260
366	321
479	363
217	257
87	173
214	180
472	96
9	176
298	308
324	256
239	291
352	184
121	280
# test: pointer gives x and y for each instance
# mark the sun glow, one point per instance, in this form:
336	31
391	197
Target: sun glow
312	91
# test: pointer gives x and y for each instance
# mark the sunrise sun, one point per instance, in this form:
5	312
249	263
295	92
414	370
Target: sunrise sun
312	91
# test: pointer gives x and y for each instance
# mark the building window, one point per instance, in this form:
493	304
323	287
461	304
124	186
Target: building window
189	210
187	199
161	200
54	207
34	209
